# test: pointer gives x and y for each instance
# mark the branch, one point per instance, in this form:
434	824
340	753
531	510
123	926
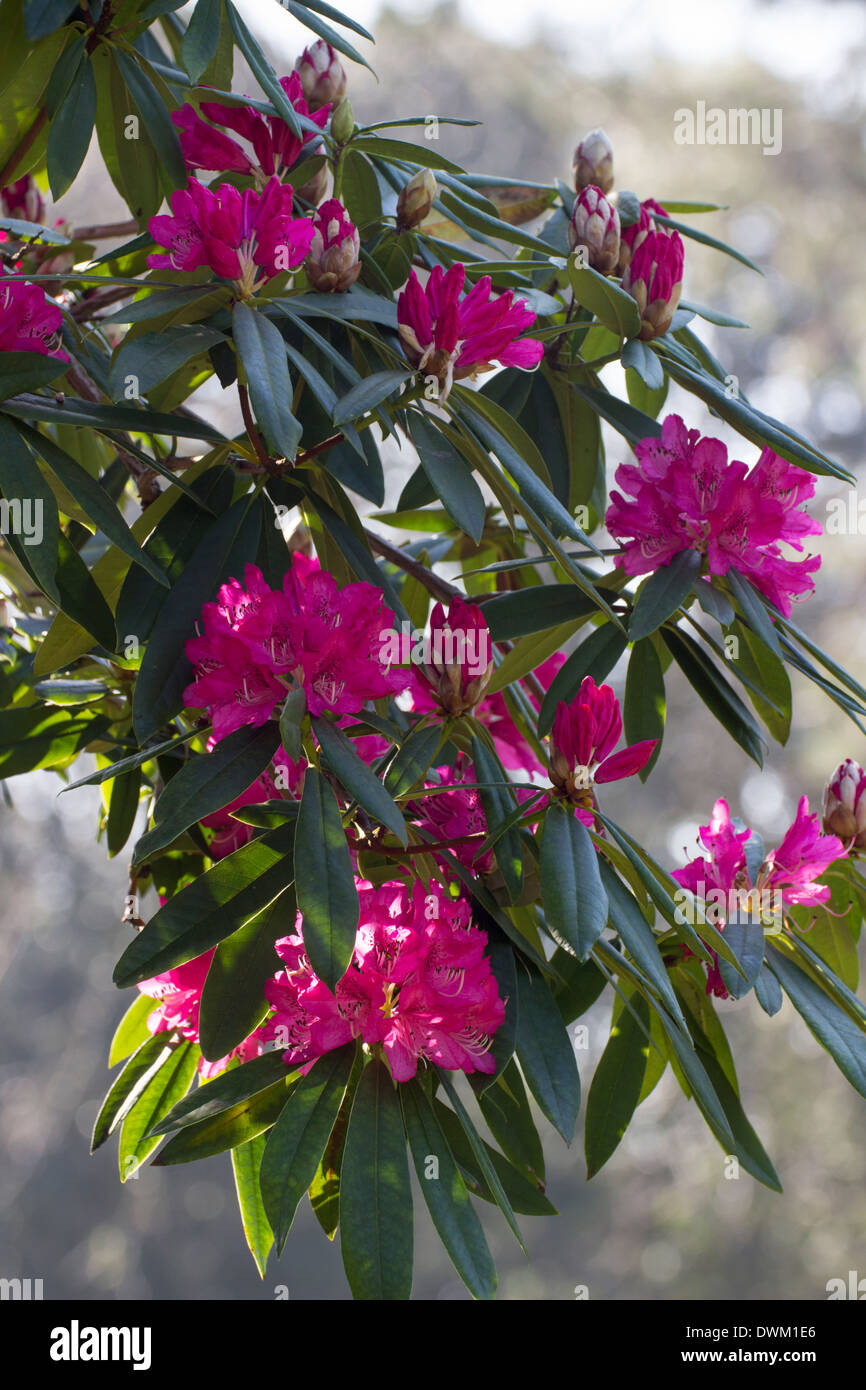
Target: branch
102	231
86	308
439	588
254	437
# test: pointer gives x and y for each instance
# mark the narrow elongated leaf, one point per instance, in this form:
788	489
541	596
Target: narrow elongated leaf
611	305
368	393
325	881
233	999
295	1144
843	1038
212	907
506	1110
663	594
412	760
746	940
263	354
224	1092
526	1198
201	39
575	901
716	693
638	938
206	783
246	1161
521	613
596	656
132	1030
446	1196
169	1084
482	1158
339	753
128	1086
451	476
262	70
644	704
142	363
616	1085
33	524
154	117
40	736
545	1053
71	130
229	1129
375	1195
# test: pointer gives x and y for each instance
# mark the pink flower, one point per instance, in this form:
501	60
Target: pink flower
460	660
333	263
236	234
178	993
654	279
28	321
724	885
456	814
259	642
275	146
844	808
594	225
322	75
451	338
584	736
593	162
419	986
687	495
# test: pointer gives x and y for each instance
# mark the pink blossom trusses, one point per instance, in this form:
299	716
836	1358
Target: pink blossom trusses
230	834
257	642
275	147
419	985
28	321
685	494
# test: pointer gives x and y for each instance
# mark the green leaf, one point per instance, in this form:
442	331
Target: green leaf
412	760
483	1159
611	305
359	781
450	476
375	1194
632	424
209	909
521	613
445	1193
768	992
663	594
207	783
644	704
263	354
131	1031
95	415
201	39
545	1053
71	130
246	1161
755	612
575	902
405	151
25	371
640	358
225	1092
505	1107
498	805
32	524
44	737
716	693
143	362
262	70
706	240
170	1083
525	1197
223	550
233	999
129	1086
746	940
368	393
835	1030
325	881
298	1139
616	1085
759	665
123	802
229	1129
582	983
638	938
155	117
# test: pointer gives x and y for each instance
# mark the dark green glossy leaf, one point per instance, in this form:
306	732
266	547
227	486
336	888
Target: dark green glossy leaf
359	781
375	1194
575	901
545	1053
325	881
233	1000
616	1085
663	594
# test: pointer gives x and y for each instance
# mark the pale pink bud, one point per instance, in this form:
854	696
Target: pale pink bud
416	199
844	808
460	663
595	225
593	162
323	77
334	260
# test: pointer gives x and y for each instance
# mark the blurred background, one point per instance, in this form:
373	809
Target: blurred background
661	1221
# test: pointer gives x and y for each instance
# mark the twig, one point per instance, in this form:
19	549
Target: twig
439	588
102	231
255	438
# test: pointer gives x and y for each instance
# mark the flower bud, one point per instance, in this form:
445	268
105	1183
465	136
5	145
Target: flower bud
316	188
654	279
334	262
323	77
593	162
416	199
343	122
22	200
595	225
634	233
844	809
460	662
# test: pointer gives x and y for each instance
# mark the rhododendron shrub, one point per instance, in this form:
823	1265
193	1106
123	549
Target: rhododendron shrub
358	759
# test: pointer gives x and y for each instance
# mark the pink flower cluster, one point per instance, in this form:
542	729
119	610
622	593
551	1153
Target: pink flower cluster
178	993
28	321
275	146
450	338
790	872
237	234
685	494
257	642
419	985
